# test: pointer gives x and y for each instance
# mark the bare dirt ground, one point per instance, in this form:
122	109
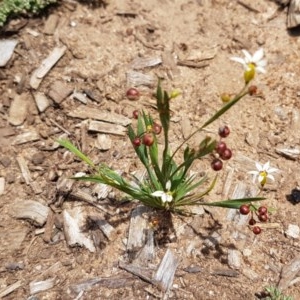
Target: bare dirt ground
191	41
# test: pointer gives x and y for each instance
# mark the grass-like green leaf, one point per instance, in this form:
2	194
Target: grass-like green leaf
68	145
234	203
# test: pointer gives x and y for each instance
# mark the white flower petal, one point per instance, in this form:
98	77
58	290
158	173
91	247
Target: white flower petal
169	198
248	56
258	55
266	166
261	70
158	194
271	177
272	170
239	60
164	197
168	185
262	63
259	167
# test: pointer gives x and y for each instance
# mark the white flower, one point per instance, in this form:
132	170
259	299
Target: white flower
165	196
256	60
263	173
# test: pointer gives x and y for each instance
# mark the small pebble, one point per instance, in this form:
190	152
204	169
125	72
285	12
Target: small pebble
293	231
38	158
5	161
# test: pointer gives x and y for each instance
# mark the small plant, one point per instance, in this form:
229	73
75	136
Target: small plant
273	293
15	7
168	184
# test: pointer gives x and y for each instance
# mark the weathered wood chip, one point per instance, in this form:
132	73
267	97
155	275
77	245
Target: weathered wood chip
137	229
147	253
80	97
42	102
6	50
73	221
293	18
31	210
84	112
103	127
289	153
9	289
24	169
137	78
225	272
51	24
2	185
106	228
26	137
114	282
289	272
39	286
142	272
193	269
166	271
141	63
59	91
18	109
46	65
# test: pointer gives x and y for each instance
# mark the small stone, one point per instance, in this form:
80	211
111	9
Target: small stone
5	161
247	252
186	127
10	178
103	142
38	158
293	231
18	110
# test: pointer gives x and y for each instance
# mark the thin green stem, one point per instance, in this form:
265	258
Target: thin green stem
214	117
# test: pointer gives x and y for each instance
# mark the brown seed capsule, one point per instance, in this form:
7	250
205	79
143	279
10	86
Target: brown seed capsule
135	114
148	139
224	131
252	90
156	128
217	164
133	94
256	230
137	142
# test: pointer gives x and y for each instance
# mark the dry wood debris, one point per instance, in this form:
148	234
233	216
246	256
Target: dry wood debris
6	51
30	210
46	65
288	273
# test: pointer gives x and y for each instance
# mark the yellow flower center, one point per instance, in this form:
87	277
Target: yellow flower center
249	73
263	175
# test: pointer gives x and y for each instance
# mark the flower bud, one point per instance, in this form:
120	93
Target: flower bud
174	94
249	73
225	97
